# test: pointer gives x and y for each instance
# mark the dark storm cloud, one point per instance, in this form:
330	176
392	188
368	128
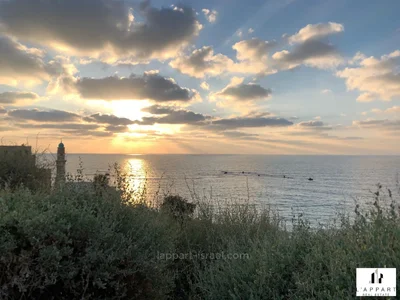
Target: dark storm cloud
108	119
149	86
12	97
100	26
43	116
245	92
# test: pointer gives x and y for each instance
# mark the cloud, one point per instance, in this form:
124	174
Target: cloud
21	64
240	135
309	49
150	86
311	53
326	91
375	78
250	31
366	97
72	126
117	128
244	92
13	97
211	15
251	58
43	116
96	125
202	62
171	116
391	110
314	125
2	110
239	91
316	31
89	133
108	119
109	30
253	49
205	86
248	122
385	124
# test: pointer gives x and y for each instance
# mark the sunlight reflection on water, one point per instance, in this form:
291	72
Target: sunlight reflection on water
137	170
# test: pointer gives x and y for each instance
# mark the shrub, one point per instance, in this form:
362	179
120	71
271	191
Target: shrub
75	245
178	207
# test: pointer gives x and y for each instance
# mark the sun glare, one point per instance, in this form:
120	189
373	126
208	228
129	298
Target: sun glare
131	109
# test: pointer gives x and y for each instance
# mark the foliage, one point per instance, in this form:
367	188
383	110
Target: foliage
105	243
76	245
177	207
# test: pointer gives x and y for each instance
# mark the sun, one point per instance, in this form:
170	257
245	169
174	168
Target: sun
130	109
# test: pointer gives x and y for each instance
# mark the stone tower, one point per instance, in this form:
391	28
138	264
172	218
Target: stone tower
60	163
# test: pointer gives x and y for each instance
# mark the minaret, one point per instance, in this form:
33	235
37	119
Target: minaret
60	163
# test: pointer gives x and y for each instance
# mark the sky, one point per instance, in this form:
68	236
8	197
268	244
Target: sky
201	77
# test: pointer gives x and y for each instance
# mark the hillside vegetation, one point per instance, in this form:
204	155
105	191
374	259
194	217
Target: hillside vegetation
105	244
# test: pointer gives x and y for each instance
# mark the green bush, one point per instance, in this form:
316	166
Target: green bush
76	245
102	243
178	207
305	263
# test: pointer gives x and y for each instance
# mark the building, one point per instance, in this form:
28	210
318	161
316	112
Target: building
18	166
18	153
100	182
60	166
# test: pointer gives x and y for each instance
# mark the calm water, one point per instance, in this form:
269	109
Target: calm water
337	179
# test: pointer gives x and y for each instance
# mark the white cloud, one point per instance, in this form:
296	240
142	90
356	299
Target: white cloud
211	15
309	49
376	78
366	97
202	62
326	91
251	58
391	110
316	31
204	85
250	31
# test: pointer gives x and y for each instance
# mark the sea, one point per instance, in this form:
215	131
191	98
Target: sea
281	182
